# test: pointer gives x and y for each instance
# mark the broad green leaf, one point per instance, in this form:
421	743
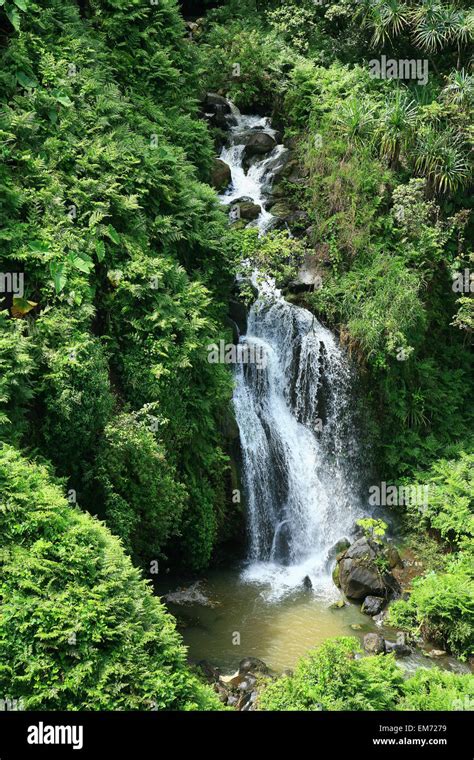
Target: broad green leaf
25	80
83	262
37	246
65	100
22	306
113	234
14	18
21	4
59	278
100	250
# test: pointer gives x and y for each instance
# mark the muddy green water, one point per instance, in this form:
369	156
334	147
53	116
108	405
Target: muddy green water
243	622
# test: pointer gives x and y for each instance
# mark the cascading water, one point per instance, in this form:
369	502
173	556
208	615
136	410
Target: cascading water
298	446
256	181
299	450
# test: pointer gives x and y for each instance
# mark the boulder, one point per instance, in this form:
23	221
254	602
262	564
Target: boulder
249	210
258	143
252	665
361	573
373	643
221	174
307	583
213	101
217	111
399	649
372	605
358	580
282	210
393	557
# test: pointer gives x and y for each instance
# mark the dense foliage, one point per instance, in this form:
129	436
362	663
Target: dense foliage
125	264
333	678
79	628
120	245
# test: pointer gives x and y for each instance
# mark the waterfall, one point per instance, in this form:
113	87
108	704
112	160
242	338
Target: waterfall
293	410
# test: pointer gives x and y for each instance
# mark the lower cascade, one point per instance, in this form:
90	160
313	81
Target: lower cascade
299	448
293	409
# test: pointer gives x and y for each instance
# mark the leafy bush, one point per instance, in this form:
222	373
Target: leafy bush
330	678
16	368
79	627
441	606
123	251
435	689
143	502
73	396
276	254
450	504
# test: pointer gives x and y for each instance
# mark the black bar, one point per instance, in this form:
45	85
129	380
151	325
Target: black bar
137	734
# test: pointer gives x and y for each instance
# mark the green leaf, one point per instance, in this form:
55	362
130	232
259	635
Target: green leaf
83	262
59	278
100	250
113	234
14	18
21	4
25	80
65	100
37	246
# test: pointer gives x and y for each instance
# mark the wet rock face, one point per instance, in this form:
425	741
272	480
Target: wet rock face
253	664
398	648
364	571
258	143
249	210
372	605
217	111
221	174
374	644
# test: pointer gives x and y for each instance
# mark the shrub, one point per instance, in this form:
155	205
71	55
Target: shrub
330	678
79	627
435	689
143	502
441	606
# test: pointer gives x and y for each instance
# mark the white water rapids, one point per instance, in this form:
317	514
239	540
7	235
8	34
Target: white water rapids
299	449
